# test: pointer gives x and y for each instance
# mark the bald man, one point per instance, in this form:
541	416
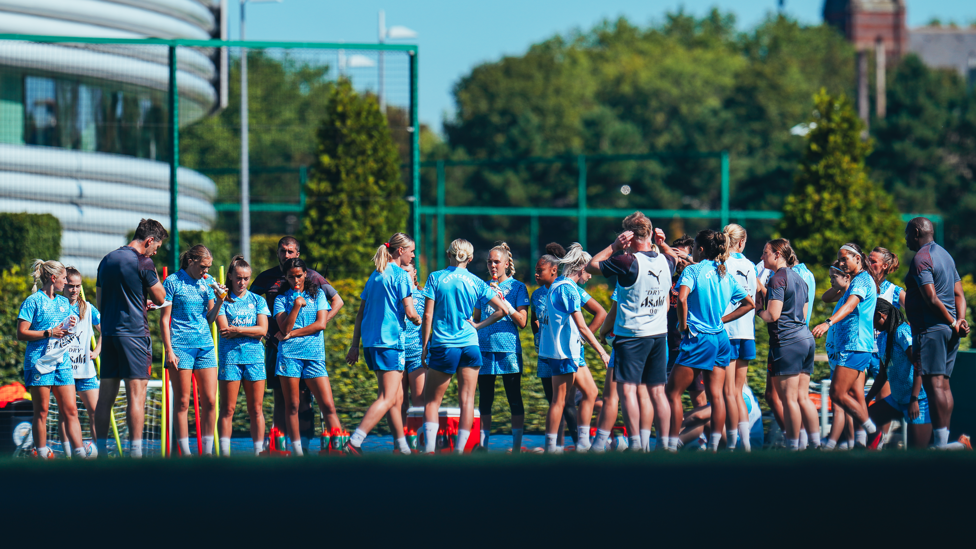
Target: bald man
936	310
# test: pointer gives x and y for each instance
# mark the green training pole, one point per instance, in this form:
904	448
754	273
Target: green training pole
174	164
415	154
534	237
439	252
581	164
725	188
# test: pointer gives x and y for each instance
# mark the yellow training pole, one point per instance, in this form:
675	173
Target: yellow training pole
98	370
213	332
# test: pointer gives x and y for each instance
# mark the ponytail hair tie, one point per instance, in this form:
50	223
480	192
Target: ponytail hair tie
387	244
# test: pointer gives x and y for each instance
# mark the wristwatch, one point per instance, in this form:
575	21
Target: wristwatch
828	322
912	399
47	333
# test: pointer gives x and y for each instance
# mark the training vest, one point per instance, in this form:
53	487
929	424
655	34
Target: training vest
560	335
744	272
642	309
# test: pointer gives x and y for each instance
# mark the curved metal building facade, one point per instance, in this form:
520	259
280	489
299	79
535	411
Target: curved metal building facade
84	127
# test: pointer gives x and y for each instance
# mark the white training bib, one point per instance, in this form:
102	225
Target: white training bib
744	272
54	353
79	347
560	335
642	309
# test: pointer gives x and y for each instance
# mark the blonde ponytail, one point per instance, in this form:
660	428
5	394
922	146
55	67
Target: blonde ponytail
43	270
384	253
503	248
575	259
736	234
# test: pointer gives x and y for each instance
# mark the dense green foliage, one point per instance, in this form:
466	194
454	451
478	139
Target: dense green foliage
355	191
834	201
27	237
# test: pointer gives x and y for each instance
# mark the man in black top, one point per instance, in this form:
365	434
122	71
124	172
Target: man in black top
127	281
269	284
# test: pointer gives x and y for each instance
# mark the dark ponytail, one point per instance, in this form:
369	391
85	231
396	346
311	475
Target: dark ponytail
893	319
311	288
782	247
715	246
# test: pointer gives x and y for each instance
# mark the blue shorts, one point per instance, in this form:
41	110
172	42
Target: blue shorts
196	359
300	367
497	364
743	349
237	372
875	367
560	366
857	360
82	385
705	351
924	418
63	375
413	362
449	359
384	359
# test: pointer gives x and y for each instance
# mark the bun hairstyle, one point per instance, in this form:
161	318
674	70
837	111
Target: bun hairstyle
893	319
461	250
683	241
195	253
42	271
715	247
575	259
783	248
556	250
82	305
735	233
384	254
641	226
503	248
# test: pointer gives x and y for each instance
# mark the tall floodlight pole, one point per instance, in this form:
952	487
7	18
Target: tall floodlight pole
393	33
245	152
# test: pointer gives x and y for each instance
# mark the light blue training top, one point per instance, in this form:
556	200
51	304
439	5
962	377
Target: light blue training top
384	313
455	292
709	297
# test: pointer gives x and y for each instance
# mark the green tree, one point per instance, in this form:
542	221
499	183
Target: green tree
834	201
354	197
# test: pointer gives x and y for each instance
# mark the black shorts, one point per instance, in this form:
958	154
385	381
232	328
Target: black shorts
641	359
792	359
270	361
126	357
934	349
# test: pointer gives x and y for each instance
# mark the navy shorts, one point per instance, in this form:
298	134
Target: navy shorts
792	359
705	351
743	349
934	350
384	359
125	357
449	359
641	359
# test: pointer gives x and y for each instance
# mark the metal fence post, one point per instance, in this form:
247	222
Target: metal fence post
302	180
824	399
581	165
534	237
725	188
440	215
174	164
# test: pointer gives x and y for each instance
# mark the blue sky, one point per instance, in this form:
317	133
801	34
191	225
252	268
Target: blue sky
456	35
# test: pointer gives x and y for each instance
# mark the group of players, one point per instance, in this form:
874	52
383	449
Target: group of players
681	320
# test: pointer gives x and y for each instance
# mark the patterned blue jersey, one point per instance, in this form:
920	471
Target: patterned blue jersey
43	313
413	345
709	297
502	336
455	292
243	312
310	347
900	371
855	333
189	329
383	312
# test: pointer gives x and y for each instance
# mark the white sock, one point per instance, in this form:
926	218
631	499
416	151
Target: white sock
941	437
100	446
635	443
844	445
744	432
296	448
185	447
954	446
225	446
600	442
208	445
79	453
66	446
674	443
43	451
463	435
645	435
135	448
560	449
358	436
714	441
869	426
793	444
402	444
258	447
814	439
861	437
804	439
516	440
484	437
550	443
584	438
732	437
830	444
430	437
